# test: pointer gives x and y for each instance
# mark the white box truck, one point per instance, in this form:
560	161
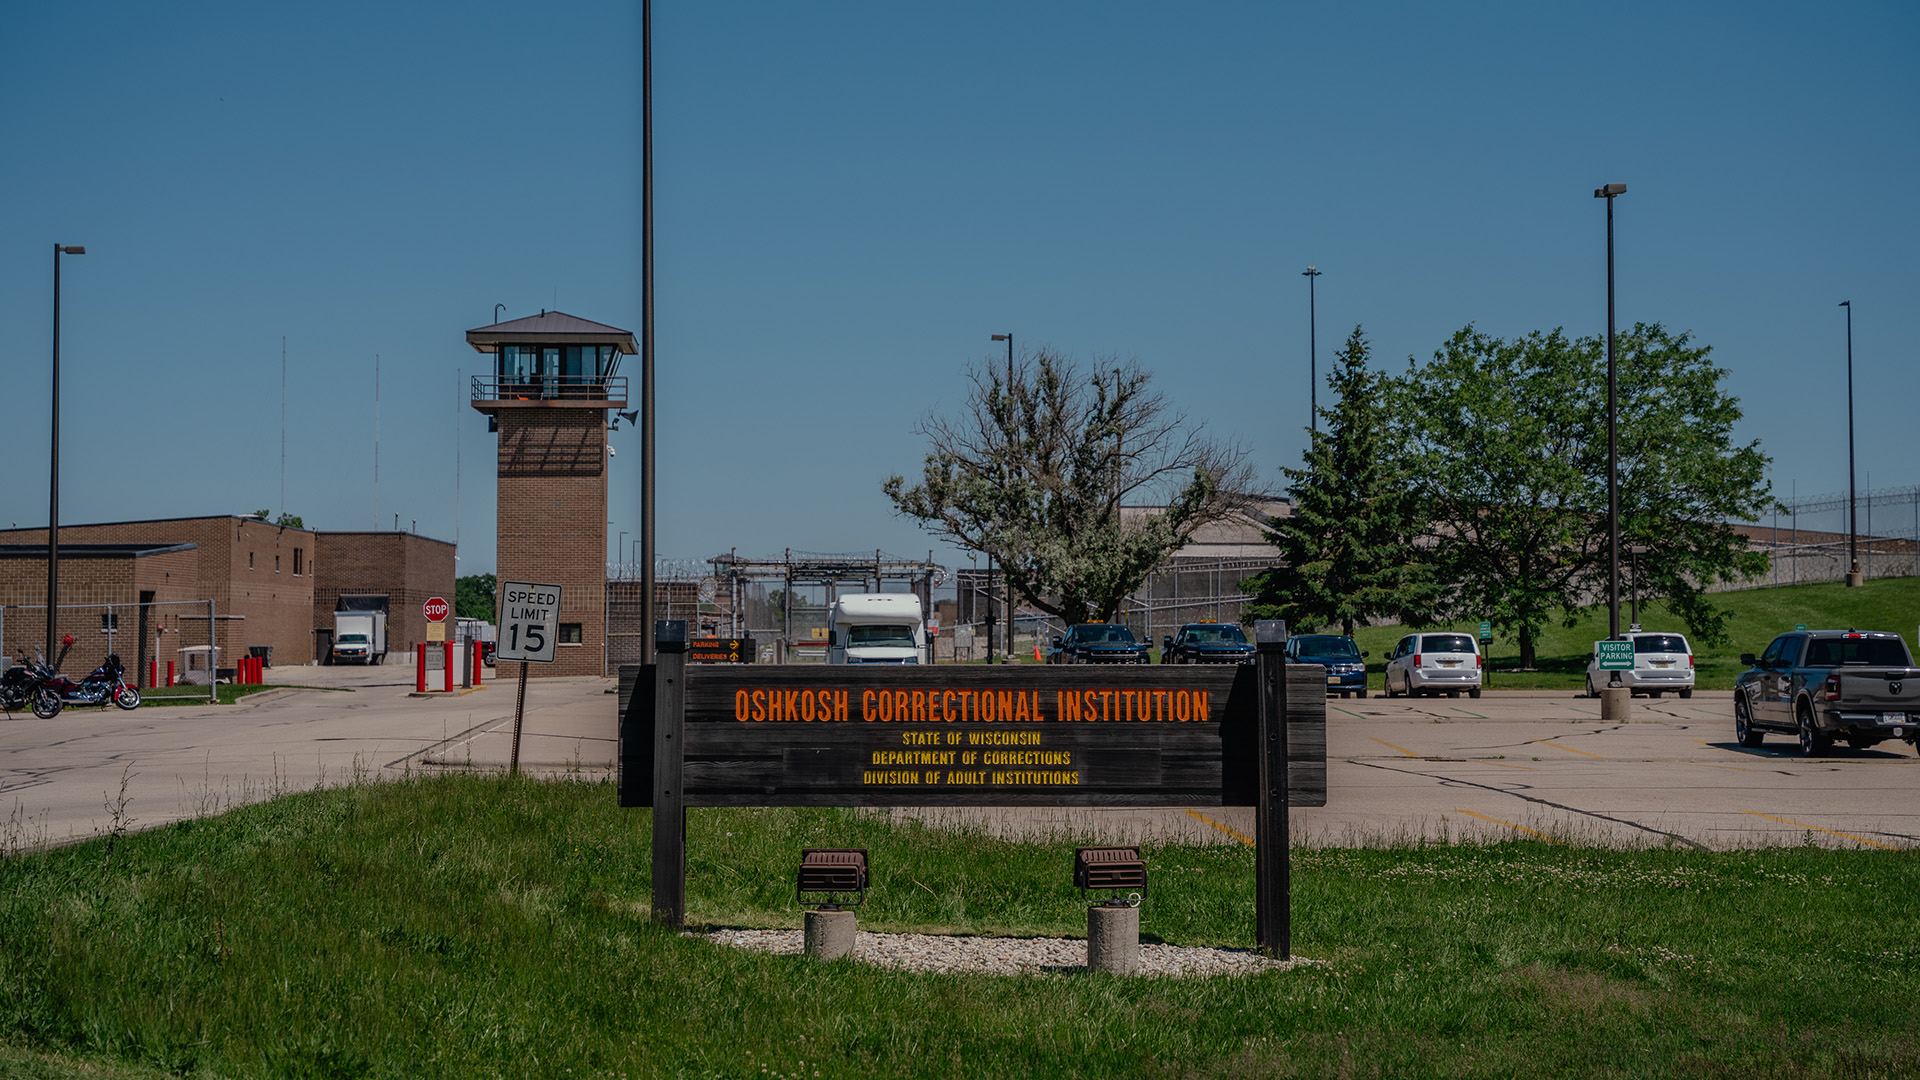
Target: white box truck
359	637
877	628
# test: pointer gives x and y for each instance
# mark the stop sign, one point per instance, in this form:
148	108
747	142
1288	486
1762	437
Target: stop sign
436	610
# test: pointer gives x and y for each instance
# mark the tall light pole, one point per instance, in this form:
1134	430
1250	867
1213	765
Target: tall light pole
1854	577
646	332
1609	193
1008	338
1313	354
53	487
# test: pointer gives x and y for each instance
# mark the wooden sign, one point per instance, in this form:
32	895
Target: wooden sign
858	735
853	735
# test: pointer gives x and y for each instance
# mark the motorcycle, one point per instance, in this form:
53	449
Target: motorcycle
105	684
26	685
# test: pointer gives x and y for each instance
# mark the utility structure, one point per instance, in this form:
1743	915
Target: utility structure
822	570
555	378
1313	353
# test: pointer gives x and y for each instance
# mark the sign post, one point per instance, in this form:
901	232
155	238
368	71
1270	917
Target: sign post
1486	649
436	611
529	614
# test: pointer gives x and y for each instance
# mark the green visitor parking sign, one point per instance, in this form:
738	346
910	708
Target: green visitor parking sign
1799	627
1615	655
1486	631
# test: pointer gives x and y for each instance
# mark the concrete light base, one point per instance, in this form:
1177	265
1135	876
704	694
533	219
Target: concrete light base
1855	579
1616	704
830	934
1113	940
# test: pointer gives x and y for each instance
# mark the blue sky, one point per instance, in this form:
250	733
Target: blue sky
852	197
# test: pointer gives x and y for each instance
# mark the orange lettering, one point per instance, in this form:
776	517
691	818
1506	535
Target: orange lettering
918	705
902	703
806	706
866	705
946	710
739	704
1023	710
1202	709
840	703
1182	709
1069	705
1106	704
1003	705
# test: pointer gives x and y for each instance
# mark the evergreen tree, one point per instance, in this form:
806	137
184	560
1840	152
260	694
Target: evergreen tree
1347	546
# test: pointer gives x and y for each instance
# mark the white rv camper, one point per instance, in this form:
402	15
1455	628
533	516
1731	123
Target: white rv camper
877	628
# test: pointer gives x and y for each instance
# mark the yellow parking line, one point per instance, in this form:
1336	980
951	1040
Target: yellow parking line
1230	832
1816	828
1390	746
1508	824
1568	749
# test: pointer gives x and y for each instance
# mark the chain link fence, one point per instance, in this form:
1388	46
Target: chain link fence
1806	540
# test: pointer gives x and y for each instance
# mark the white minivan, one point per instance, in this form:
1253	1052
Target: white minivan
1433	664
877	628
1662	662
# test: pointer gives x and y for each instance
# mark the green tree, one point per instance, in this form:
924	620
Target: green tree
1683	479
1347	546
1034	471
1509	445
473	597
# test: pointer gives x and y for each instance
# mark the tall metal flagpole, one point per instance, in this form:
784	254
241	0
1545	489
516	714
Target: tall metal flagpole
646	333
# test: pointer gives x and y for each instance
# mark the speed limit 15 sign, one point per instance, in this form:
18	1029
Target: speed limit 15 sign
529	616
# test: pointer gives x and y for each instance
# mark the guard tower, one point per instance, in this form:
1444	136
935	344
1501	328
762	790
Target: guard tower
554	380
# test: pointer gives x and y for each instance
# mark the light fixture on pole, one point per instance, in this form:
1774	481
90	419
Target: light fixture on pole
53	487
1008	338
496	313
1854	577
1313	359
1609	193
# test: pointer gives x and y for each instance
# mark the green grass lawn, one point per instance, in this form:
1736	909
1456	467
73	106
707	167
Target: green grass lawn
1758	614
477	927
197	695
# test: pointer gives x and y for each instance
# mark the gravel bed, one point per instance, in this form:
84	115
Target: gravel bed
1009	955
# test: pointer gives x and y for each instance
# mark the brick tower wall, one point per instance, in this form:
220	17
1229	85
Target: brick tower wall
553	522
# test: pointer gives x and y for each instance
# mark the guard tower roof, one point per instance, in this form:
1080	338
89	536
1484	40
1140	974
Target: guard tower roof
550	328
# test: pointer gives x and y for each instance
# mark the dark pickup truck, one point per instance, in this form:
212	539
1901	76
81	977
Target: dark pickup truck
1822	685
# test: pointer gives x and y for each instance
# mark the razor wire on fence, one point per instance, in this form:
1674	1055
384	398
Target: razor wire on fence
1819	537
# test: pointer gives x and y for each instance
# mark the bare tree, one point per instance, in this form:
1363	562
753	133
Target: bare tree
1034	474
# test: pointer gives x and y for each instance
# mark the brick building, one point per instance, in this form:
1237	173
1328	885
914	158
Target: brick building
259	576
552	386
407	568
272	587
131	592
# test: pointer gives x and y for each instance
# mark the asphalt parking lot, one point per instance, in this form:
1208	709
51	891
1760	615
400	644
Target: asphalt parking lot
1507	764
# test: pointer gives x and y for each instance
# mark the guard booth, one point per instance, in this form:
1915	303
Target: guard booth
554	381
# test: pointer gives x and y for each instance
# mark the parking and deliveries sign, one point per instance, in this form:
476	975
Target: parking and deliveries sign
529	615
1615	655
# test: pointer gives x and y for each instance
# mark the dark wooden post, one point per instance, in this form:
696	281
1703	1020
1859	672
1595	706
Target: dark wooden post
1272	858
669	800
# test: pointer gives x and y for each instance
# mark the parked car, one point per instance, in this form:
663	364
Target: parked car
1819	685
1346	665
1433	664
1661	662
1207	643
1098	643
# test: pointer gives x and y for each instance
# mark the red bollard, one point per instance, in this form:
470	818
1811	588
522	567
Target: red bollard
478	666
446	654
153	673
169	673
420	670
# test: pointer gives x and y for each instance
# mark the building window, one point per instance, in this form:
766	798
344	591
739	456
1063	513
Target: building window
570	633
297	553
249	560
276	564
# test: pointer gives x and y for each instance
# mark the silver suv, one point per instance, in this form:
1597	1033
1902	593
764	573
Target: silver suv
1432	664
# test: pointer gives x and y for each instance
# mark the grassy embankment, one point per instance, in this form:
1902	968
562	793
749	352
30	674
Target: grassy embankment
1758	614
472	927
